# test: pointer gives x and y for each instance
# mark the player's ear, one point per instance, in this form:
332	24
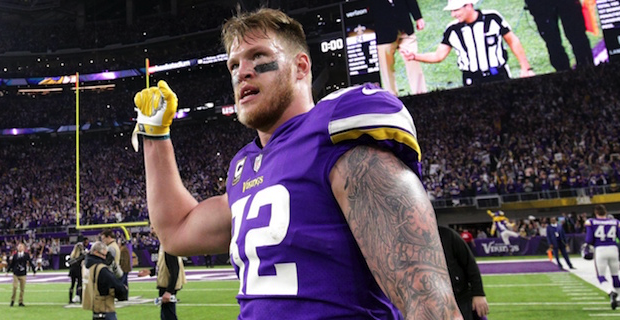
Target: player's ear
303	66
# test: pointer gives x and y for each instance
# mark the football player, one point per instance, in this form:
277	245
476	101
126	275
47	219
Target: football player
602	232
502	225
328	215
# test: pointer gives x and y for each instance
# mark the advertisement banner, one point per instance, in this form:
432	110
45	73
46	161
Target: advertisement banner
522	246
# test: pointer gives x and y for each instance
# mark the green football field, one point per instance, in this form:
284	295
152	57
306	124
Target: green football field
555	295
446	74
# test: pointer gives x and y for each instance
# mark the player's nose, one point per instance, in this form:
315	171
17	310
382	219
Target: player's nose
246	70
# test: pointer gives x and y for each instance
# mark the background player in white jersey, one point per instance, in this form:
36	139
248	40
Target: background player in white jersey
329	218
602	232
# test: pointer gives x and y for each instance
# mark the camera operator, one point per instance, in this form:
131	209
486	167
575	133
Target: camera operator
103	284
170	279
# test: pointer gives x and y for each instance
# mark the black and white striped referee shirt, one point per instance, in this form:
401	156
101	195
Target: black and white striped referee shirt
479	45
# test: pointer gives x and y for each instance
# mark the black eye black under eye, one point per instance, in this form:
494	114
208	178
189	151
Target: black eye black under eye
266	67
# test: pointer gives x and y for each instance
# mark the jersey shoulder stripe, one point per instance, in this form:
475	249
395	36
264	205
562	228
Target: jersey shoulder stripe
378	126
492	13
382	117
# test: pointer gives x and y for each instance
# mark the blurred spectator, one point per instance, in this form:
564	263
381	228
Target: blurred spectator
468	238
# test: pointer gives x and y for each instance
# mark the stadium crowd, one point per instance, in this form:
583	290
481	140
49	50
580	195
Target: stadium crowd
556	135
509	138
549	133
520	136
109	107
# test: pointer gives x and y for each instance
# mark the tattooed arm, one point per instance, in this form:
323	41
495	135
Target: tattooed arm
394	224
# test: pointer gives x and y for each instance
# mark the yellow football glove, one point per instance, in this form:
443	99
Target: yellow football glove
156	107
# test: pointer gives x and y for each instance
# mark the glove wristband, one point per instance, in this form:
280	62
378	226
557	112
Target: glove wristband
164	137
149	132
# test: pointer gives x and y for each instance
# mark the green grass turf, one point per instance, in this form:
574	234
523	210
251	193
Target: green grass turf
445	75
524	296
545	296
199	300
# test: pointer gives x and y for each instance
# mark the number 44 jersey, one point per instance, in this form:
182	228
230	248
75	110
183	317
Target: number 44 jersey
291	246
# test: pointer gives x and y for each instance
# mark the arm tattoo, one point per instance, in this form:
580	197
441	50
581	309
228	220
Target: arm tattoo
394	224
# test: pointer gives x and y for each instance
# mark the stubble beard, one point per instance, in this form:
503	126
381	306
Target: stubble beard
265	115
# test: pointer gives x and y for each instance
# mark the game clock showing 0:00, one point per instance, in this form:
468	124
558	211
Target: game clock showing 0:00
332	45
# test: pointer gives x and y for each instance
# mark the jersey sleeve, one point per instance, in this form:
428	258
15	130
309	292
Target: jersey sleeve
504	27
369	115
449	33
589	232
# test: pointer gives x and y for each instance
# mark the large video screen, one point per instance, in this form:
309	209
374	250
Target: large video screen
358	44
343	44
446	73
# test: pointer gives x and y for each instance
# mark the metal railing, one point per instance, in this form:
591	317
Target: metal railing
495	200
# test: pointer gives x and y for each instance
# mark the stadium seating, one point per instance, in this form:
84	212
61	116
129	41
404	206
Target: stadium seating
545	137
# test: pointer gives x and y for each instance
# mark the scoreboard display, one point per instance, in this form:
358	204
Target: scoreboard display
609	14
361	43
345	53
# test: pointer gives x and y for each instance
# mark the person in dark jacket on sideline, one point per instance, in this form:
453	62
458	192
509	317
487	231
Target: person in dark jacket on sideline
556	237
107	285
464	274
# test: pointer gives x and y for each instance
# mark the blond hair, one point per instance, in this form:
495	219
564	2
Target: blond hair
78	250
265	20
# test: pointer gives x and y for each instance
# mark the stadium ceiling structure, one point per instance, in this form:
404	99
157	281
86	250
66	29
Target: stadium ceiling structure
47	11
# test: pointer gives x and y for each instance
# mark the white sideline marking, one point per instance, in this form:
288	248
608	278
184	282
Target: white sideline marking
132	289
149	301
577	290
207	305
511	261
521	285
602	302
47	279
518	274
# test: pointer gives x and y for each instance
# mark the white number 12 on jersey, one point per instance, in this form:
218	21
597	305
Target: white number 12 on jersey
284	282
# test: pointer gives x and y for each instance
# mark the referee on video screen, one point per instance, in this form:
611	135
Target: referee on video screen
477	35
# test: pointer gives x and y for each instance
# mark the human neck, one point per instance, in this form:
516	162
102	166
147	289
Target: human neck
472	17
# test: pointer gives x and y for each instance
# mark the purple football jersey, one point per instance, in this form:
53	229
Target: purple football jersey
601	232
291	246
